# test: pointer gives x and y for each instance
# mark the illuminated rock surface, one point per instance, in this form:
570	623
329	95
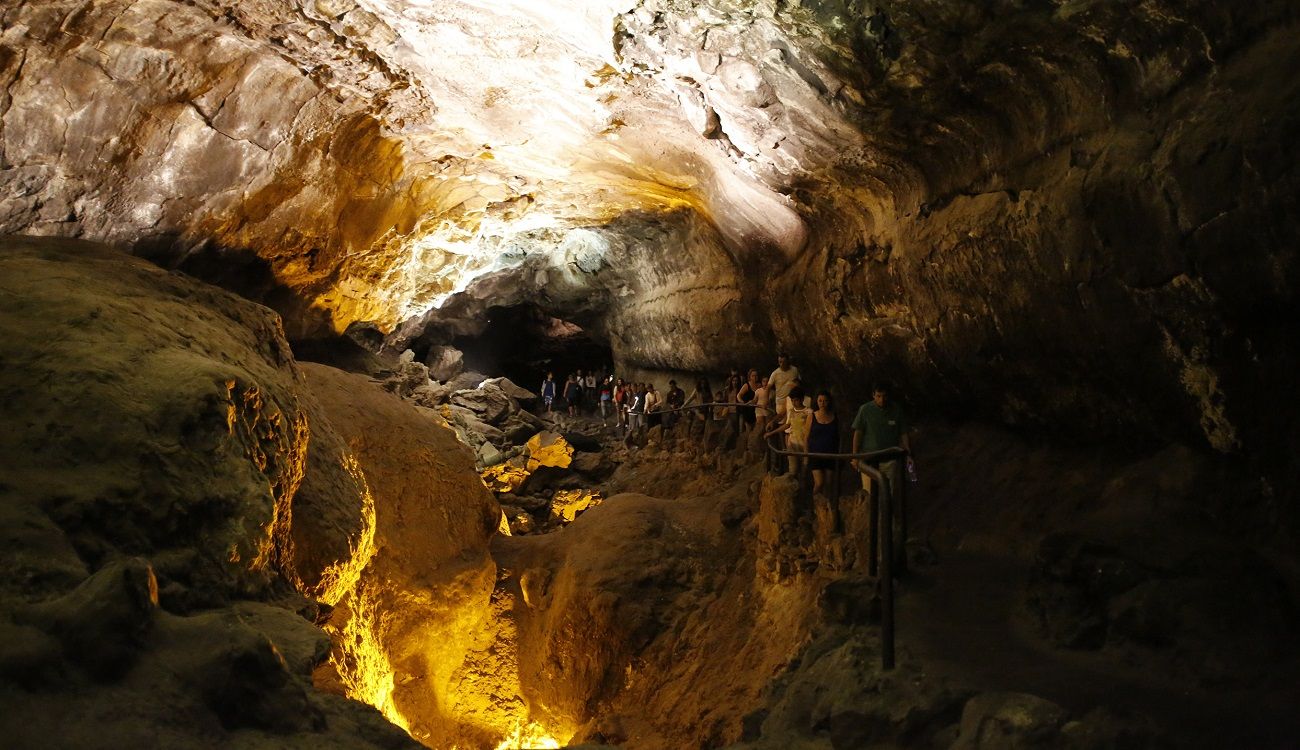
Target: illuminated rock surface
1076	219
146	490
421	593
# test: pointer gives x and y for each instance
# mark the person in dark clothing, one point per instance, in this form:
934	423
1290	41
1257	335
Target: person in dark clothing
572	395
881	424
701	395
673	400
635	413
823	437
548	391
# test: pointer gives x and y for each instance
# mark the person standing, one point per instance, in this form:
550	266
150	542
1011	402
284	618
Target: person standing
589	384
745	395
880	424
675	399
735	381
701	395
622	395
606	398
823	437
548	391
636	411
781	381
762	415
653	401
795	424
715	429
572	394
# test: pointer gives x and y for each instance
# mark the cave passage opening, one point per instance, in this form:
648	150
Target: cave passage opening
524	342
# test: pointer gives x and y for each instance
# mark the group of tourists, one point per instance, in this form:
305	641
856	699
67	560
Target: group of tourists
582	393
742	413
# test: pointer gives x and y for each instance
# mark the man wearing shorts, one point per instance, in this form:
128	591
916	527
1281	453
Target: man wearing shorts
548	391
781	381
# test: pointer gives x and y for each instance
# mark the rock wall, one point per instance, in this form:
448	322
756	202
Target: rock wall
156	436
149	414
1127	273
415	603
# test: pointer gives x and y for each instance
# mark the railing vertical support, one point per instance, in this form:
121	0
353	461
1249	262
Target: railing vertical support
886	580
903	479
873	539
835	496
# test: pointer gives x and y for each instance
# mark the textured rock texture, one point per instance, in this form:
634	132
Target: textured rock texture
156	436
145	412
421	586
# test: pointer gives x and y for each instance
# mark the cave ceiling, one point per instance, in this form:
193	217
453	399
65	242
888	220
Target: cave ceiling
477	123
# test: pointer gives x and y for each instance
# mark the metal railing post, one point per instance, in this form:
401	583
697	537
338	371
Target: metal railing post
873	539
881	562
903	479
886	581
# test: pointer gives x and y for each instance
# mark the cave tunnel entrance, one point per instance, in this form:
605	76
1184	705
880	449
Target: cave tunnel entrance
524	342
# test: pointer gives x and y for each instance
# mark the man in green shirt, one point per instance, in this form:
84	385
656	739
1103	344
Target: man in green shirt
880	424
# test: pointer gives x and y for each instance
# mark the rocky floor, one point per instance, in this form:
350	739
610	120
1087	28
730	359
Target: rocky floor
964	621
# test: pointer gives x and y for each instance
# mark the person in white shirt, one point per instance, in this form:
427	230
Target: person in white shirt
795	424
781	381
652	403
589	391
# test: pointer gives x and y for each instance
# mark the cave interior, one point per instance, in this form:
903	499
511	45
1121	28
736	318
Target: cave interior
280	282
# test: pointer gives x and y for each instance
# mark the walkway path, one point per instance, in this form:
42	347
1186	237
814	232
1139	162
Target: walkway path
963	621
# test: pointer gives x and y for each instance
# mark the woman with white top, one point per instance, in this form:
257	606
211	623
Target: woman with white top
652	403
762	416
796	425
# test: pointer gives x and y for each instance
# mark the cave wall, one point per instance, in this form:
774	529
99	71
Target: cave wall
156	440
1126	270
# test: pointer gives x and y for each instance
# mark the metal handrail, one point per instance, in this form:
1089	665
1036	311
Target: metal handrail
881	545
883	528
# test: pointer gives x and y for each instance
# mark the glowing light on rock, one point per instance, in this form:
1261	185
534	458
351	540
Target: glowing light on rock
506	477
549	449
337	580
529	736
361	660
359	657
544	449
566	505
